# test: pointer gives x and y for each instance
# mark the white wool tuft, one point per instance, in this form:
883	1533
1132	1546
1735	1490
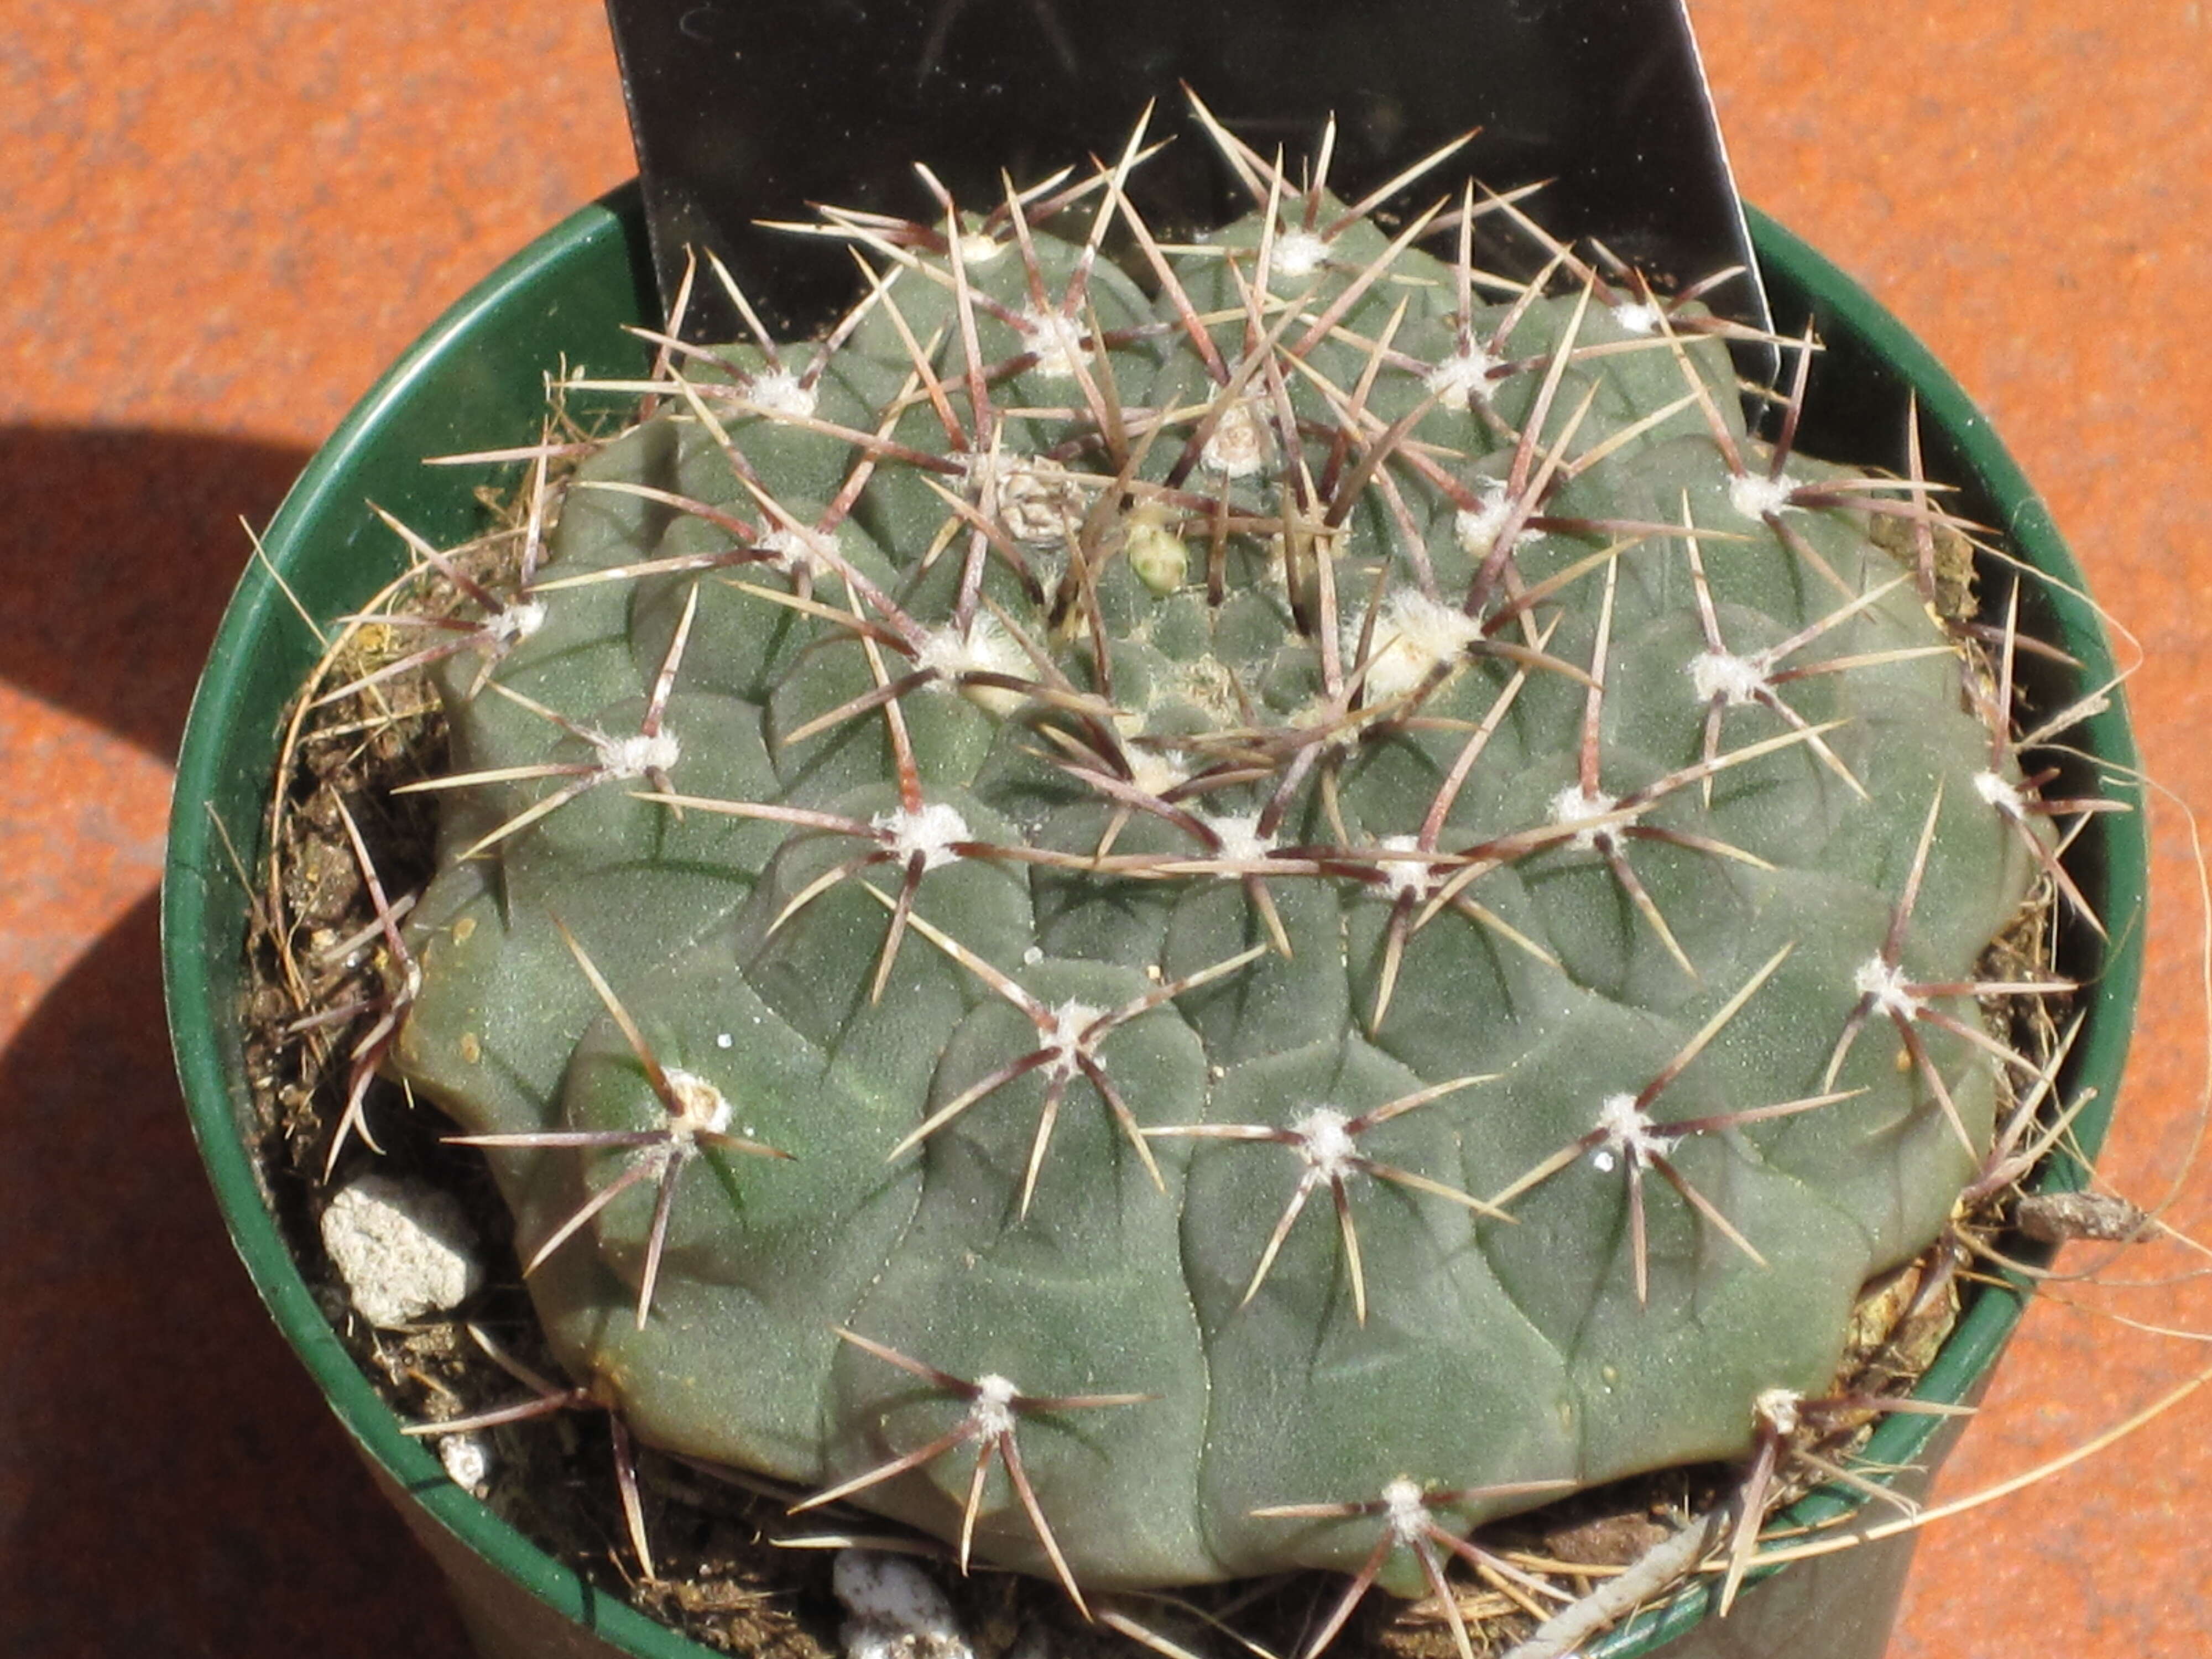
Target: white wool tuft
515	622
979	248
1462	378
1408	1516
1065	1041
1755	496
1628	1130
1734	680
930	832
1301	253
780	391
1478	528
1239	833
1402	877
1572	806
1886	985
985	648
1326	1142
1779	1408
1414	634
1637	316
1056	340
992	1411
635	756
1995	792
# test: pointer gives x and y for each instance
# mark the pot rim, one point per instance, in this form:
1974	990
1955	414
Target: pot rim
231	733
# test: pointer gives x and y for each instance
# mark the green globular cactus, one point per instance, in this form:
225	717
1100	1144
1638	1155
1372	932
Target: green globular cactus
1183	926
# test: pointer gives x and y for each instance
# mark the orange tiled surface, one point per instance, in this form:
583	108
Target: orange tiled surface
218	219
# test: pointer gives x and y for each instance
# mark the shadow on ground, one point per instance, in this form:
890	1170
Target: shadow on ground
170	1481
122	549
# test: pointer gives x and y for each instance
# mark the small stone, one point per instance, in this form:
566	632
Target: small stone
403	1248
898	1610
467	1458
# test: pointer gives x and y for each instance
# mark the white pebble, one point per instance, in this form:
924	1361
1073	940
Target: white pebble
467	1459
403	1248
898	1610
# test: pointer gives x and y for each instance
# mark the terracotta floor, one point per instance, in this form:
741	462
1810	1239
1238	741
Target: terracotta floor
219	218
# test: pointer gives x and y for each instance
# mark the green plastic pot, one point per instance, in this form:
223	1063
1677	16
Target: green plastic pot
475	381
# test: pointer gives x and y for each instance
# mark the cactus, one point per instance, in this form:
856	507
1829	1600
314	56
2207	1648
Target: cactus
1179	927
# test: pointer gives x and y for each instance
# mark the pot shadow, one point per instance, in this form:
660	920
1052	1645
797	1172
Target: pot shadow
123	545
170	1482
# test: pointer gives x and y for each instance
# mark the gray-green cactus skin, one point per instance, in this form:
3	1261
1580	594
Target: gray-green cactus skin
1332	732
